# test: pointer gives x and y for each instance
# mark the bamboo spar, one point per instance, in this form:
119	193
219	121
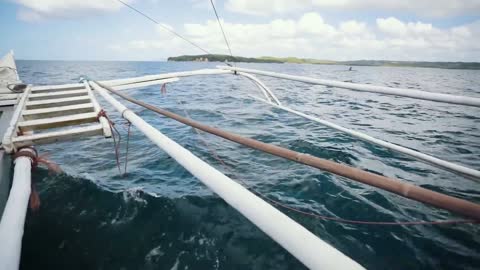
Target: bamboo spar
456	205
418	94
301	243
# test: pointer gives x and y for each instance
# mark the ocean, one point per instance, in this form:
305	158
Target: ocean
158	216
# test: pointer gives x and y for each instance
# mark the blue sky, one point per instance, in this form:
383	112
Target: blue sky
440	30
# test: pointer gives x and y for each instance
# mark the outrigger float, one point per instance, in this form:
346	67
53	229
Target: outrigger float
34	115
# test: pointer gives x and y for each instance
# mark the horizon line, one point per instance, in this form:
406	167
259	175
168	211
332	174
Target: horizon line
166	60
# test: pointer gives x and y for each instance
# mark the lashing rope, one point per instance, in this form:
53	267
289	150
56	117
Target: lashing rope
32	155
126	150
116	143
35	159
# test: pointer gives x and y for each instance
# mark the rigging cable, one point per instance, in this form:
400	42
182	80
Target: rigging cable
221	28
164	27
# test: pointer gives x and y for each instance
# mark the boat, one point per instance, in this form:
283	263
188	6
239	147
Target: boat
8	75
33	115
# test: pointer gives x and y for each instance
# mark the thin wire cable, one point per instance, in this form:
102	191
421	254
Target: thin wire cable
163	26
221	28
312	214
324	217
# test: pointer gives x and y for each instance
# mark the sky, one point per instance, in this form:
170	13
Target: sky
411	30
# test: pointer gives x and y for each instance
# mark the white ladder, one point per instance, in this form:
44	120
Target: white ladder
47	114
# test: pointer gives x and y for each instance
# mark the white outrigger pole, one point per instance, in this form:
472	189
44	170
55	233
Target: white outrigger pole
301	243
13	218
403	92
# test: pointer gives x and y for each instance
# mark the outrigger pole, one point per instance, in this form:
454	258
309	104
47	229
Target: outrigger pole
13	218
301	243
403	92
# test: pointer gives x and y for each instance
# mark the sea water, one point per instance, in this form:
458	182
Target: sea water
159	216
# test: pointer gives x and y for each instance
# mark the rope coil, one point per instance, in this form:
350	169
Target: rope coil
17	87
31	153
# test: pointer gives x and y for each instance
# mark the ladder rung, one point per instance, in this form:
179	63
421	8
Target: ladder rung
66	134
57	102
8	102
53	88
9	96
60	121
57	111
58	94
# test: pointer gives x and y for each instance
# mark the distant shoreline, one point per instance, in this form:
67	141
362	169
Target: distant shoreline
269	59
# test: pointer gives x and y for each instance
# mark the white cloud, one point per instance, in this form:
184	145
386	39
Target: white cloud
36	9
395	27
311	36
263	7
419	35
462	32
283	28
354	28
313	23
430	8
201	4
392	26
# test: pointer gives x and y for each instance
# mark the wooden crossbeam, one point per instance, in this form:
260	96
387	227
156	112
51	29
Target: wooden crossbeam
53	88
61	135
55	122
57	102
57	111
57	94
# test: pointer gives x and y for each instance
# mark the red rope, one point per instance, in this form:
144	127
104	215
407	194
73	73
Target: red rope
342	220
164	89
126	148
113	129
324	217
